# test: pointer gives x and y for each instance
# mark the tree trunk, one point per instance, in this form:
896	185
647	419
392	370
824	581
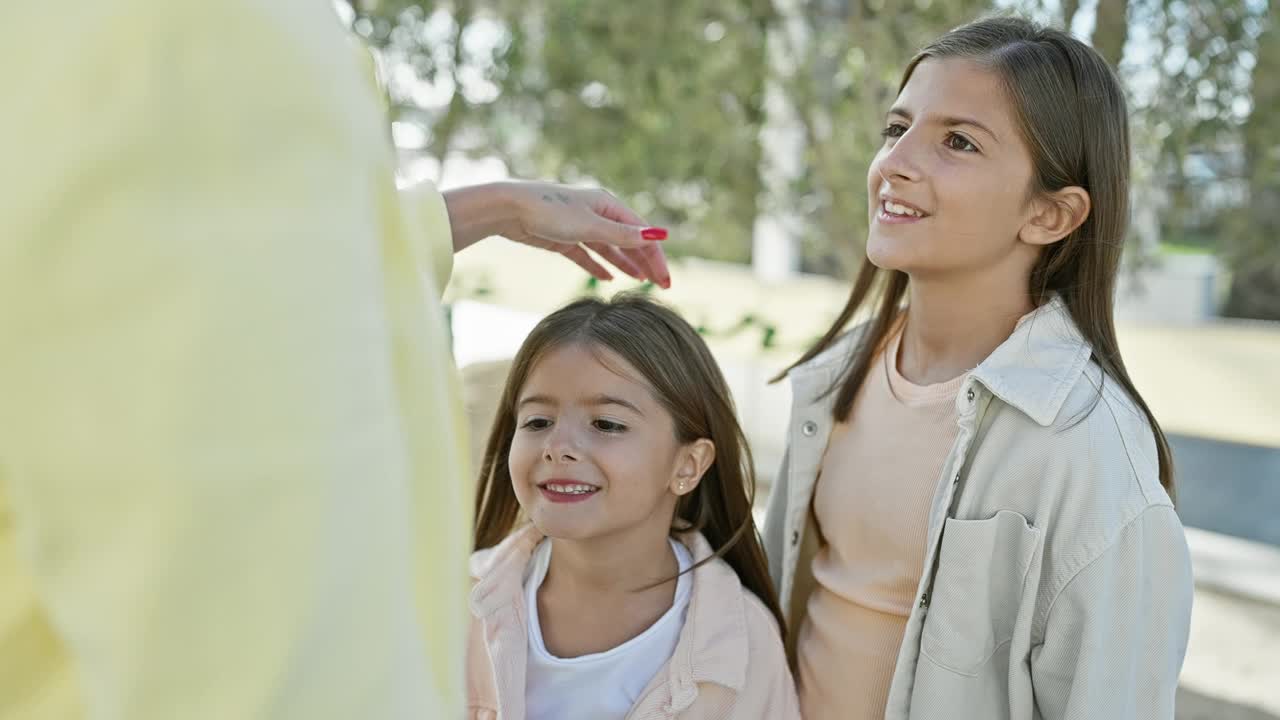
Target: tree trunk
1069	10
1253	252
1111	30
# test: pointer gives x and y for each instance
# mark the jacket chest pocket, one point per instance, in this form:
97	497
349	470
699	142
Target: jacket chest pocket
978	589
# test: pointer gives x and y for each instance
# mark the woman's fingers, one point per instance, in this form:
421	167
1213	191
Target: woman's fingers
601	230
618	258
649	256
654	262
583	260
606	205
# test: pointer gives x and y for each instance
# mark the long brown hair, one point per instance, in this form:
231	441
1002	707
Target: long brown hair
686	380
1071	112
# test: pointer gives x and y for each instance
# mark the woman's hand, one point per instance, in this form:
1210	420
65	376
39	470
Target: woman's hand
564	220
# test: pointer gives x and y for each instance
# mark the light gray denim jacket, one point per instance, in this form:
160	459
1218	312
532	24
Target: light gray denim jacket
1057	579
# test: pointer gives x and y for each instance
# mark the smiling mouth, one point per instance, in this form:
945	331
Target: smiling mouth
564	491
892	210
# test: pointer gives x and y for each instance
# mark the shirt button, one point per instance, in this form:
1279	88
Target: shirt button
809	428
969	395
795	537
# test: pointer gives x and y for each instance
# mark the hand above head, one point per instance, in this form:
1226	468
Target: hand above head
564	220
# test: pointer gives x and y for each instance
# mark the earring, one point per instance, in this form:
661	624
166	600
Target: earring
681	486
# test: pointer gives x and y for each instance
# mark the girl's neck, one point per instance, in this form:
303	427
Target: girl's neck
952	325
608	565
599	594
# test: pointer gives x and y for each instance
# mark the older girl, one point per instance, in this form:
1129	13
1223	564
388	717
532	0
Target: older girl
974	519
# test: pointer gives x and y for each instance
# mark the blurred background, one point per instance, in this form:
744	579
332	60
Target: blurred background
746	127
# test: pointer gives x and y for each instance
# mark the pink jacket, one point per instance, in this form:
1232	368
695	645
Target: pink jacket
728	663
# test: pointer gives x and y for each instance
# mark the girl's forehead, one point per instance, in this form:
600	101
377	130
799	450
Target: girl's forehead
580	372
957	88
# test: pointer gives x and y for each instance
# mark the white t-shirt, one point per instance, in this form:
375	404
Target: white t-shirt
602	686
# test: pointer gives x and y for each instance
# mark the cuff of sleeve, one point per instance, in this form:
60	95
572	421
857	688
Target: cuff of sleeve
433	234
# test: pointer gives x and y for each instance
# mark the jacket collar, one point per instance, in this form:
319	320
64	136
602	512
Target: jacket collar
499	572
500	623
713	644
1033	371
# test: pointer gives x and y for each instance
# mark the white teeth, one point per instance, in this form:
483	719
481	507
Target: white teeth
570	489
896	209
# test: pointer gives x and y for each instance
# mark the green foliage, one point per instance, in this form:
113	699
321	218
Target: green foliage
660	101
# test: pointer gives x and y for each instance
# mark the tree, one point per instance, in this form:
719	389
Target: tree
1069	10
435	55
660	101
1210	107
1253	237
1111	29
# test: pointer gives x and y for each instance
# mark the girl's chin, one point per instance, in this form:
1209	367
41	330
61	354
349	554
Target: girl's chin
564	528
886	257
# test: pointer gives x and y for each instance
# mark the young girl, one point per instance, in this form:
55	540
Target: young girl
974	518
618	569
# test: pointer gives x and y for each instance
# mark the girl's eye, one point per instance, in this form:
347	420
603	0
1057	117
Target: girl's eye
609	426
956	141
894	130
536	423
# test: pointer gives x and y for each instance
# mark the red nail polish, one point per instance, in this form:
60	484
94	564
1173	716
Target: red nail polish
654	233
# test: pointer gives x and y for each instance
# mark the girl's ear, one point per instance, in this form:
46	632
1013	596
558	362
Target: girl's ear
694	461
1056	216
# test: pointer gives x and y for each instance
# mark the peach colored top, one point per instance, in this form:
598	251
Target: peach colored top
878	477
